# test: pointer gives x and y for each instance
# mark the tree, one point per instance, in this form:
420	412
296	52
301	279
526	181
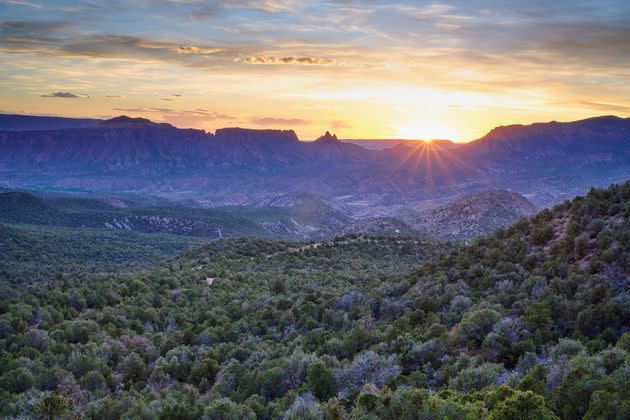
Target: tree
542	234
17	380
206	369
304	407
477	324
53	406
522	406
321	381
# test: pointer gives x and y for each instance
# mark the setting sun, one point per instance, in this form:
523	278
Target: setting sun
426	131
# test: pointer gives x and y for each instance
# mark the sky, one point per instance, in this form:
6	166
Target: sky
362	69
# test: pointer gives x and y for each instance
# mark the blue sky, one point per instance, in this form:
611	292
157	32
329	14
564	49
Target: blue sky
362	68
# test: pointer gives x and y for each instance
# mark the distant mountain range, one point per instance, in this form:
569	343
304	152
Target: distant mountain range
547	162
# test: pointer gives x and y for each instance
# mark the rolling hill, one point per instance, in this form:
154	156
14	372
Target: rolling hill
472	216
530	322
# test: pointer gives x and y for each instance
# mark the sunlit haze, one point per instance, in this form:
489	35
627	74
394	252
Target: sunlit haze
362	69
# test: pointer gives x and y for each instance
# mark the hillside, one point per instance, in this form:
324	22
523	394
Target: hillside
592	136
31	254
385	226
290	216
531	322
65	211
296	216
473	215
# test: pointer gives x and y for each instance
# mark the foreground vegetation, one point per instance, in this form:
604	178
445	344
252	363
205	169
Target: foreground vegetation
532	322
35	253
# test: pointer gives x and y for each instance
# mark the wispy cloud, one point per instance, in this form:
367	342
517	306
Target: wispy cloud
265	59
272	121
340	124
64	95
426	11
192	49
269	6
23	3
204	114
16	32
605	107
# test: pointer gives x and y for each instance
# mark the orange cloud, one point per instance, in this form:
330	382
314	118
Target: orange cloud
191	49
266	59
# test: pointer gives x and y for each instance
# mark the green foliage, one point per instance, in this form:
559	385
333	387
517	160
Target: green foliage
53	406
541	235
17	380
34	253
521	406
321	381
522	324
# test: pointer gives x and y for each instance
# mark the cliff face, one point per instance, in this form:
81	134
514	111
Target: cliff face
236	134
106	147
124	143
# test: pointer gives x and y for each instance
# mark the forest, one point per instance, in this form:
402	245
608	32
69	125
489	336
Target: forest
531	322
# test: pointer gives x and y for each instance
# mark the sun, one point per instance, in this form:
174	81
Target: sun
426	131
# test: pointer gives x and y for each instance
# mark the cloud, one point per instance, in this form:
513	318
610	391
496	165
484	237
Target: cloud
52	39
122	46
201	114
270	121
23	3
203	9
266	59
192	49
66	95
428	11
606	107
269	6
339	124
30	32
134	110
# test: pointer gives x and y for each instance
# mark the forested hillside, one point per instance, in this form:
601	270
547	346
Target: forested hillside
532	322
35	253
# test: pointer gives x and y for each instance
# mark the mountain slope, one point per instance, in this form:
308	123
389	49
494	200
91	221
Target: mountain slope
61	211
298	216
592	136
531	322
473	215
37	253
